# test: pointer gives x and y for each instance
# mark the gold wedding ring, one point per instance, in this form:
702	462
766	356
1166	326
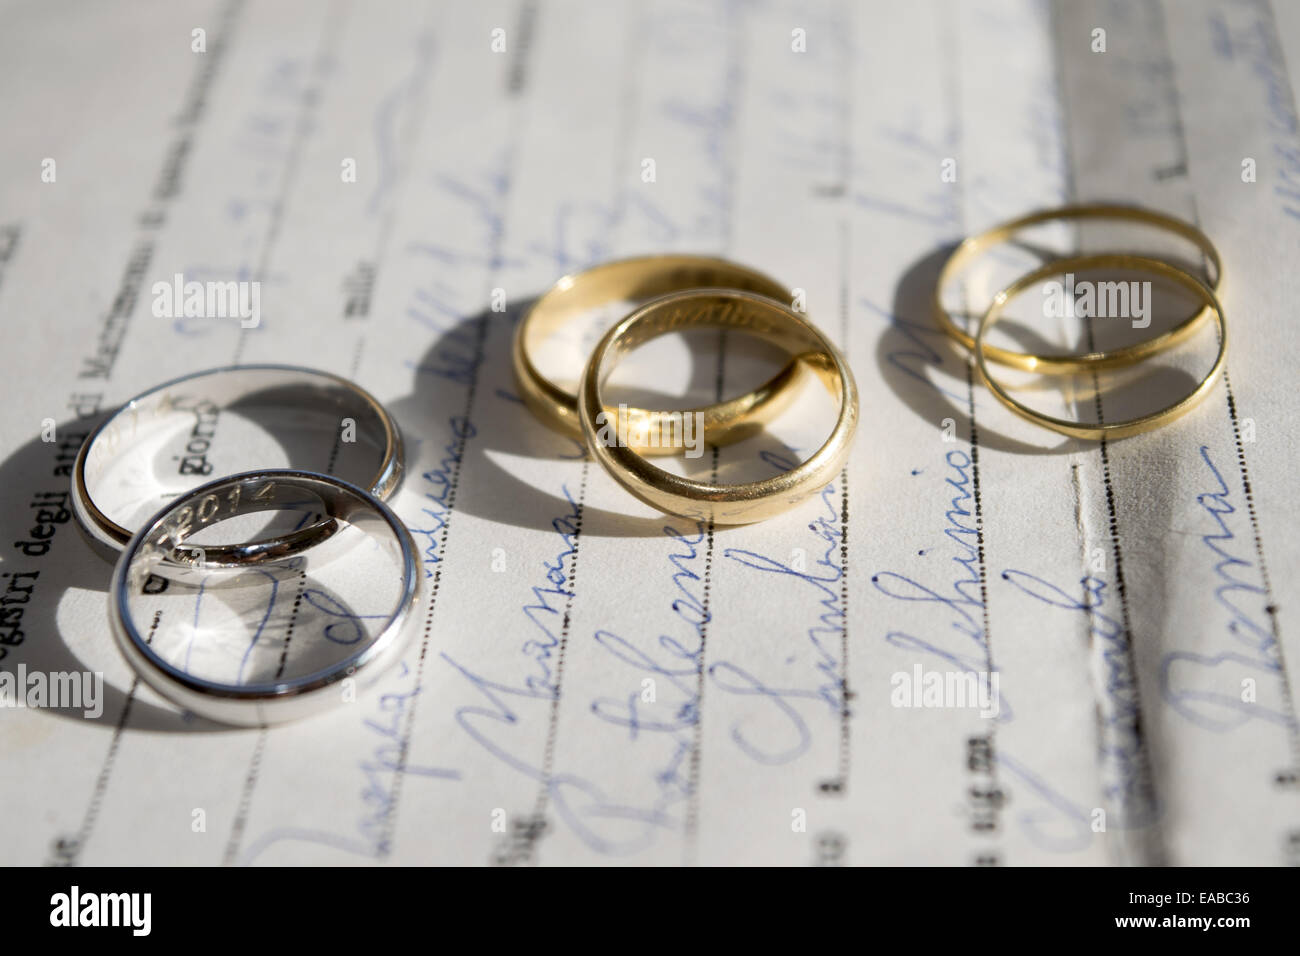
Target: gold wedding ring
640	278
727	309
972	246
1104	261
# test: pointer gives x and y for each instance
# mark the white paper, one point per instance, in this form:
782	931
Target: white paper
592	682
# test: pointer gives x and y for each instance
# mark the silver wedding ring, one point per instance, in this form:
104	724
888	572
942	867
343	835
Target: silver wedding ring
204	396
148	567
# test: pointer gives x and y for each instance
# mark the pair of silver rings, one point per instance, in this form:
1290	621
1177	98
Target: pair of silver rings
167	563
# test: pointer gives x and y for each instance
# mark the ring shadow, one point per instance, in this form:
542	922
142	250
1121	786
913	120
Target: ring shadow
910	344
508	427
68	562
500	497
78	566
913	342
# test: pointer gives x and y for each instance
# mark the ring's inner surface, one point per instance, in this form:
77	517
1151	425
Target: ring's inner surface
1091	398
179	437
279	619
782	443
637	280
564	325
980	267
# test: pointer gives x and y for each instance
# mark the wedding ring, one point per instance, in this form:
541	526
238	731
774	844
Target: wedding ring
1066	364
200	399
728	309
1104	261
146	572
641	278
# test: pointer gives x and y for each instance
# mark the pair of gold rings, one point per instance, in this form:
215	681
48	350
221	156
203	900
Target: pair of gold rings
681	292
1205	293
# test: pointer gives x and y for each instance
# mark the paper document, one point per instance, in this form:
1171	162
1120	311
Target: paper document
592	681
